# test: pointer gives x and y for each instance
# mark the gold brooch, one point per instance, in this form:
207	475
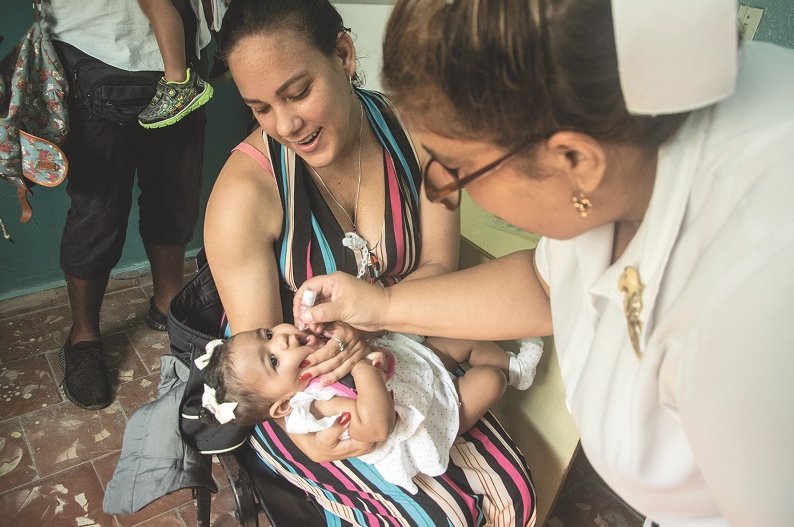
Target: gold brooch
632	287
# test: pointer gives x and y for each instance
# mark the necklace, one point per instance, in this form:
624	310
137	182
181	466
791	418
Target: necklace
358	186
369	265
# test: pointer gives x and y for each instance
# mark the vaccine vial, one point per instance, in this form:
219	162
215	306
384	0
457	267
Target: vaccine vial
309	297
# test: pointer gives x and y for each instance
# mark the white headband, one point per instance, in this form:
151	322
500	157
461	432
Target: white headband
675	55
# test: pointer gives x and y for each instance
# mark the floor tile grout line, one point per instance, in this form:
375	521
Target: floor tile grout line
40	478
44	306
27	447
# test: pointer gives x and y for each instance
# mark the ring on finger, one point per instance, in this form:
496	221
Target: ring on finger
341	344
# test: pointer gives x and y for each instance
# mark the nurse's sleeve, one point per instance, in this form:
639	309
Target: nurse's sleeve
542	259
736	389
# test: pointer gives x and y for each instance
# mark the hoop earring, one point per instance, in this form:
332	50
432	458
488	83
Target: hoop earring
350	79
582	204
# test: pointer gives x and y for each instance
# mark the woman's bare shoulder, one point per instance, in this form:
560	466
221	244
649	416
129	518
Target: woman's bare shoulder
245	194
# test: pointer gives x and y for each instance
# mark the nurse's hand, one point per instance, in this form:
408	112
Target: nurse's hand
343	297
345	347
326	445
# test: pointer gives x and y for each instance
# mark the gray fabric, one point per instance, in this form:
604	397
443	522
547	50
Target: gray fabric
154	459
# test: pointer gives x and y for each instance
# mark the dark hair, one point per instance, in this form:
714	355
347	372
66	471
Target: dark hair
220	375
512	72
317	20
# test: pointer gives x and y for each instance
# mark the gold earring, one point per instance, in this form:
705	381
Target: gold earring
582	204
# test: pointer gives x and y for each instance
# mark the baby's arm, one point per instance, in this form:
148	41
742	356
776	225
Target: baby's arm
372	413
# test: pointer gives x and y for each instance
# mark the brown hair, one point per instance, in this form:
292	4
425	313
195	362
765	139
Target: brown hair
317	20
220	375
512	72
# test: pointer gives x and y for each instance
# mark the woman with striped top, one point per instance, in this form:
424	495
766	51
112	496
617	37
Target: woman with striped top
330	181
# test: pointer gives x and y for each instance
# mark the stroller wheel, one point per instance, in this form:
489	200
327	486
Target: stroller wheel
243	490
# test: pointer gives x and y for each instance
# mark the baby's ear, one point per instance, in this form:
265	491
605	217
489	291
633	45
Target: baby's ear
280	408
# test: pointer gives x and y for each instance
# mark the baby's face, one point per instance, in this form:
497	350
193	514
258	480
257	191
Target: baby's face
269	360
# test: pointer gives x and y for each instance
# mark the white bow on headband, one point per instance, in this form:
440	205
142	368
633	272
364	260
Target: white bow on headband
202	361
223	412
675	55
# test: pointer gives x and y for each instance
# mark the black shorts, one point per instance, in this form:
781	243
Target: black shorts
103	160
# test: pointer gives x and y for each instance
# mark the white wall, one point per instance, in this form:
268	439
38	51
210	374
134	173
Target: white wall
367	22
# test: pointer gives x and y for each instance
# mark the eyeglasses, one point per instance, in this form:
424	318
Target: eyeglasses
443	184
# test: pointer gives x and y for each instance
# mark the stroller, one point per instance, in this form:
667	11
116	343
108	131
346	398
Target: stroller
193	320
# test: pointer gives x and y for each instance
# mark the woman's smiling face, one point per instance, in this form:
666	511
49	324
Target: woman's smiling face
299	95
268	361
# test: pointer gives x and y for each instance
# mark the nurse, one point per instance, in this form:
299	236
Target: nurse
657	165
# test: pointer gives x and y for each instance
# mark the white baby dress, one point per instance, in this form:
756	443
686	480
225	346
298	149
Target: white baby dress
426	403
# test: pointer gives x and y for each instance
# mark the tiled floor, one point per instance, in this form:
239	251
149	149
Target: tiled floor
56	459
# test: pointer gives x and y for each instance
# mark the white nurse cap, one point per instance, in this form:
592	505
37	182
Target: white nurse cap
675	55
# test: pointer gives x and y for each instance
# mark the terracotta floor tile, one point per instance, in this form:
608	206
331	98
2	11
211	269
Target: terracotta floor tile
135	393
121	359
171	502
105	466
26	385
218	474
16	465
64	435
30	334
150	346
169	519
72	497
123	310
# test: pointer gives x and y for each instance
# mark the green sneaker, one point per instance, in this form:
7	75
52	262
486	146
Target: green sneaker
175	100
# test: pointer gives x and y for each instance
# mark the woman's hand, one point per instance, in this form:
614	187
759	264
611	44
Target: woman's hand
343	297
326	445
345	347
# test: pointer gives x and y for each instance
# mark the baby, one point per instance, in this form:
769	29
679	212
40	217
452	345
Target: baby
404	400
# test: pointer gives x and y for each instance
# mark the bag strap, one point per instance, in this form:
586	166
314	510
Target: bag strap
24	204
37	10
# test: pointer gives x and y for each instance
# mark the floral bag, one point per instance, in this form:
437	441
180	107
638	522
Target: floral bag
33	114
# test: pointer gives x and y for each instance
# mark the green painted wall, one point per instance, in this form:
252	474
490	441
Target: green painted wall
31	262
777	22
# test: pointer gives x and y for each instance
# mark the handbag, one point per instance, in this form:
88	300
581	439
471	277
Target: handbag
33	114
108	93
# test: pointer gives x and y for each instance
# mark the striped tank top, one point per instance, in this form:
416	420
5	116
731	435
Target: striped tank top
310	243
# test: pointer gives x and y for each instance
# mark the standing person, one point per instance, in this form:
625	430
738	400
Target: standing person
331	181
181	90
104	158
660	181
